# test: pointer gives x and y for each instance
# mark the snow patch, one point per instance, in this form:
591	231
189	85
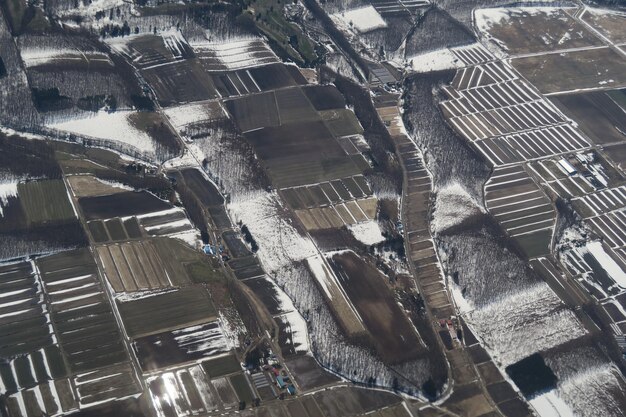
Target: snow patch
551	405
368	232
33	56
608	264
279	242
439	60
364	19
181	116
8	188
322	274
113	126
296	328
463	304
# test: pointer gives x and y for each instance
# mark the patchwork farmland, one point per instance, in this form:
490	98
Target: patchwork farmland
192	225
507	121
552	187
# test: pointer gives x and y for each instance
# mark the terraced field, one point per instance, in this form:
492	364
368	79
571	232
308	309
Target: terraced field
505	118
522	208
86	328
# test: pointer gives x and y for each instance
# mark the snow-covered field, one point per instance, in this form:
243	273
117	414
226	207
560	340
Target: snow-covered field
368	232
488	18
181	116
532	320
608	264
38	56
441	59
279	242
8	188
235	54
550	404
533	28
363	19
207	339
588	386
90	8
297	331
113	126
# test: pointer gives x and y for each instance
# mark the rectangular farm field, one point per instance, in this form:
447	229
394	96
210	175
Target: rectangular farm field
617	154
597	114
242	388
202	188
98	231
300	154
116	229
568	71
324	97
342	122
45	201
224	365
179	346
168	311
237	248
392	334
254	112
294	106
271	77
121	204
247	267
180	82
